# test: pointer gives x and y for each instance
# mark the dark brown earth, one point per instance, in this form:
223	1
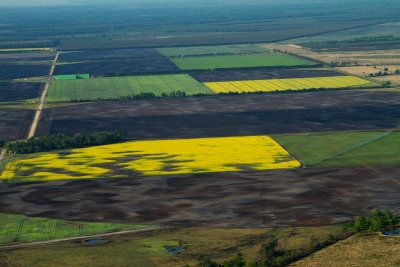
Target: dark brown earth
230	115
15	123
258	74
247	199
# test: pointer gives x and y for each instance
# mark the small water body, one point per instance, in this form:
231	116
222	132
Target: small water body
173	249
93	242
395	232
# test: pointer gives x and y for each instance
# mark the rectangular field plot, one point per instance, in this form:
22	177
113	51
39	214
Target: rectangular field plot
211	50
14	91
19	228
161	157
108	54
239	61
287	84
17	71
119	67
117	87
15	123
344	148
261	74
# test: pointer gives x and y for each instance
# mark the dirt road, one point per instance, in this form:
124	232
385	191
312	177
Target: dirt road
39	243
42	101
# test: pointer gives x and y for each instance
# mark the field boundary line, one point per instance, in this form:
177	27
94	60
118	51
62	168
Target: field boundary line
42	100
59	240
354	147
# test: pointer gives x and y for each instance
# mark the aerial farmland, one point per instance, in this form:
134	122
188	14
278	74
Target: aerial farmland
253	135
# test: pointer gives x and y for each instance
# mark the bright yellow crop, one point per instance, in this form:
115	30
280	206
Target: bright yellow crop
182	156
286	84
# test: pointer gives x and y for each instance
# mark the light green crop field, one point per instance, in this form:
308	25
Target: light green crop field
19	228
117	87
343	148
239	61
211	50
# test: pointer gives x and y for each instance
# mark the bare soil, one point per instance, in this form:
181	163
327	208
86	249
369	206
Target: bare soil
302	197
230	115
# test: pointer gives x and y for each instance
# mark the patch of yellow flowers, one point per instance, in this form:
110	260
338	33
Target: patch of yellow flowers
160	157
286	84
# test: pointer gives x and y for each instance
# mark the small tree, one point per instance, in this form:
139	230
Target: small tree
2	143
361	224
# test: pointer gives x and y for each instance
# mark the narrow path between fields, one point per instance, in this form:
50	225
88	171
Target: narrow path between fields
2	154
42	100
59	240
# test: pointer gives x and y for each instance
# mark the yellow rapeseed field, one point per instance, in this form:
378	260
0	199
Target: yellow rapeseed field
286	84
160	157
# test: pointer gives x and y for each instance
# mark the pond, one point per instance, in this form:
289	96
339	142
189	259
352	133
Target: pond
173	249
93	242
394	232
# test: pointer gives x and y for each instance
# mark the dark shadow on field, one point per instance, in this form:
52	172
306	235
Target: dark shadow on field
246	199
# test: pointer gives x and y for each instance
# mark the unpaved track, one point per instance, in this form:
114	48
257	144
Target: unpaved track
42	102
40	243
2	154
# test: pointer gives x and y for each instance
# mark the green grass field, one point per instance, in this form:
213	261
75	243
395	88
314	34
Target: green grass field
343	148
211	50
117	87
19	228
148	249
239	61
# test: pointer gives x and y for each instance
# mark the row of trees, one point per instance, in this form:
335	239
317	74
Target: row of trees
61	141
378	221
271	256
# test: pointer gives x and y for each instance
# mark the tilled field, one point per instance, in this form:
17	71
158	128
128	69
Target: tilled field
19	91
230	115
258	74
247	199
15	123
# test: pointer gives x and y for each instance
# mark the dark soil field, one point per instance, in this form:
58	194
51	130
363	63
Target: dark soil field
10	57
230	115
120	67
19	91
15	123
16	71
258	74
109	54
250	199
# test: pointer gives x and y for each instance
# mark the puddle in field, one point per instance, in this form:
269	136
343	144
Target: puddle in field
173	249
93	242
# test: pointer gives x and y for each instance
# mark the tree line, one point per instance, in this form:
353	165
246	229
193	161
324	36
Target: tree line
61	141
271	255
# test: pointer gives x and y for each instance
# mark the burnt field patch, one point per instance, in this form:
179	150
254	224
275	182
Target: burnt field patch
261	74
10	91
230	115
108	54
16	71
14	123
301	197
7	58
119	67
